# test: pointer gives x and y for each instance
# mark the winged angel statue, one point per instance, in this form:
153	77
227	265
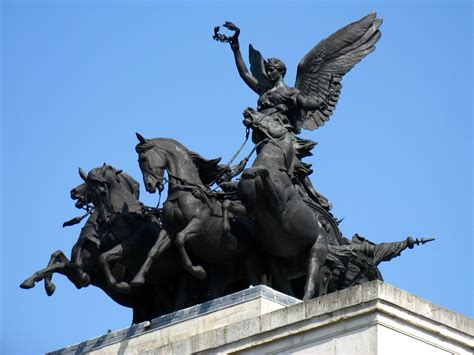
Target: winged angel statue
276	191
318	82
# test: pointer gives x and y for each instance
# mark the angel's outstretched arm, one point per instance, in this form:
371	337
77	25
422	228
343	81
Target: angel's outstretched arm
246	76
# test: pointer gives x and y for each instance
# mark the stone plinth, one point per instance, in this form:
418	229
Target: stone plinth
374	318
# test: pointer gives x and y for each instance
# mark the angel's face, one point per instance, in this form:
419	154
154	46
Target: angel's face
273	74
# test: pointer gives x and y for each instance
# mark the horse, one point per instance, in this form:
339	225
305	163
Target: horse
277	193
104	230
127	231
82	269
191	214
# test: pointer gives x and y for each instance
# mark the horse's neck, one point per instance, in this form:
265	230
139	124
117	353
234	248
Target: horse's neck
181	168
123	200
276	153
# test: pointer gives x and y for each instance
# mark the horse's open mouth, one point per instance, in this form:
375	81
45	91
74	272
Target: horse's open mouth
79	203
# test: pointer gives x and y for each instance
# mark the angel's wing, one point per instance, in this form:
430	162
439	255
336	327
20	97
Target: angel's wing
321	70
257	68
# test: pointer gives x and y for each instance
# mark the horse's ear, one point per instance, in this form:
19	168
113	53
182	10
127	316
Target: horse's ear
141	138
82	174
117	173
103	170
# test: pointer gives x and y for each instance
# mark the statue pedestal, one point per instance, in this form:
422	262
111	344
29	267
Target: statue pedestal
373	318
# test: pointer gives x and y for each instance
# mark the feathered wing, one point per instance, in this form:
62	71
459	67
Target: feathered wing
257	68
321	70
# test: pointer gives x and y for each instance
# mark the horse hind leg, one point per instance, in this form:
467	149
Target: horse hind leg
191	231
317	258
280	277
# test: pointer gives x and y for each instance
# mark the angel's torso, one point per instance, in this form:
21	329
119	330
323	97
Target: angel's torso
282	97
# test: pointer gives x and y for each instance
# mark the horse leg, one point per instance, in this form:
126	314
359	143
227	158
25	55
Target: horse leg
65	268
220	277
116	253
275	194
236	208
317	258
57	257
191	231
280	277
182	292
162	244
254	268
77	258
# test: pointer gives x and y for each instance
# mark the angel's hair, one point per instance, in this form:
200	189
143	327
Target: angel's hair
277	64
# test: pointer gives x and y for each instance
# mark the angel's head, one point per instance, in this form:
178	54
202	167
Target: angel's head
275	69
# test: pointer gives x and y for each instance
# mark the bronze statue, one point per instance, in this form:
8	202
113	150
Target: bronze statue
276	189
192	212
112	246
83	269
215	235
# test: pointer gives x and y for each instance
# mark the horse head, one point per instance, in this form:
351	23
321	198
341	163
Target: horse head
109	191
152	164
79	193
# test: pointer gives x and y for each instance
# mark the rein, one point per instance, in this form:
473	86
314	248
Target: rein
89	210
180	183
198	190
247	133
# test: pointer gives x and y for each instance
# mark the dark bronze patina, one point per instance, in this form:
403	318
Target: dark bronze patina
215	234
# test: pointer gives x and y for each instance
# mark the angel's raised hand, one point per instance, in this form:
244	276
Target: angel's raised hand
234	40
232	27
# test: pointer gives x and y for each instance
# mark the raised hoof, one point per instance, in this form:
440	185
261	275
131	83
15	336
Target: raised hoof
84	278
137	281
252	173
123	287
27	284
50	288
199	272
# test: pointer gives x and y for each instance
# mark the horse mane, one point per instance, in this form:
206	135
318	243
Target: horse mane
132	184
209	170
302	171
303	149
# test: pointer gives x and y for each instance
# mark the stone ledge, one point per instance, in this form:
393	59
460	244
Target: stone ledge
257	293
370	300
362	319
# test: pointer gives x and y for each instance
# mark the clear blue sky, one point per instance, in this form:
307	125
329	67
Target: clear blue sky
80	78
